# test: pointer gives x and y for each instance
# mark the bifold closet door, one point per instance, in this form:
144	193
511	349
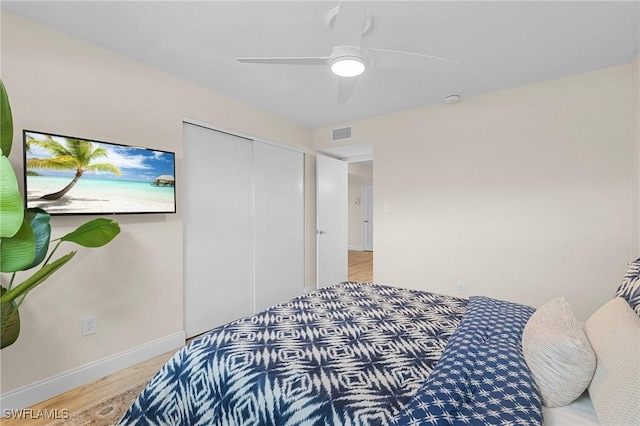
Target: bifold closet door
243	226
279	224
218	250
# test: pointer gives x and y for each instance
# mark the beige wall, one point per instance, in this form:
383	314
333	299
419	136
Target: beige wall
635	108
523	194
134	285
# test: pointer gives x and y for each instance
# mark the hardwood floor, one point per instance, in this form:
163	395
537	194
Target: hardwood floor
361	266
78	399
360	269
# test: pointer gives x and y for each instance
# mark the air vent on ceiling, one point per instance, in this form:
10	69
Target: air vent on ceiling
341	134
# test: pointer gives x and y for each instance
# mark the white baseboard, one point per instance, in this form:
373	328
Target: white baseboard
32	394
358	248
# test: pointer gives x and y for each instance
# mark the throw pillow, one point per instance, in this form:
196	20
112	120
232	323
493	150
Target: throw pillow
629	289
614	333
557	353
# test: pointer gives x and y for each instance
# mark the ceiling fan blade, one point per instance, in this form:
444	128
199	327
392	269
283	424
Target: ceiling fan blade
350	23
396	59
345	88
293	60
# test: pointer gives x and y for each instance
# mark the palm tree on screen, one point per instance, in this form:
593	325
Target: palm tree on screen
77	155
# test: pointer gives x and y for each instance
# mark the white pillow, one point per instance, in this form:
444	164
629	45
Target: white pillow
614	333
557	353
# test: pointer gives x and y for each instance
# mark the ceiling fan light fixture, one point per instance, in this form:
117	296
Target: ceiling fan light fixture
348	66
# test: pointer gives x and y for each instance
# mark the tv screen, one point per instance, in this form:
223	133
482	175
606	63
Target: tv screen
69	175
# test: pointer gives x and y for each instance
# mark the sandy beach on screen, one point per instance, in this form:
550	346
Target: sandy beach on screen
95	196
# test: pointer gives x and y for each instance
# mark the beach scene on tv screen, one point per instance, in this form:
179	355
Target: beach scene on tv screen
76	176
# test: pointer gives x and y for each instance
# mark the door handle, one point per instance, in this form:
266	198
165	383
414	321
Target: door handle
319	232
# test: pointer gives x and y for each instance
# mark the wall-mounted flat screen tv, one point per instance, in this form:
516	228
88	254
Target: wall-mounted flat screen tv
68	175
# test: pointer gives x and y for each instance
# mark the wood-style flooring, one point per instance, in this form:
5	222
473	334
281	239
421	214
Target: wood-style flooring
360	269
79	398
361	266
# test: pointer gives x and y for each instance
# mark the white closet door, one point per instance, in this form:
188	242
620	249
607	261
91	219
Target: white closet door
218	255
278	224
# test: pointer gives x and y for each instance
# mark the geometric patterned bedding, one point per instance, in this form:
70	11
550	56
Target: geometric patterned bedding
350	354
482	377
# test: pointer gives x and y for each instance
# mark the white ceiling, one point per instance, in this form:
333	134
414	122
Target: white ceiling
499	45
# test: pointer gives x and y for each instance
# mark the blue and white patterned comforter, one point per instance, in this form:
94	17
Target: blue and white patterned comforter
482	377
352	354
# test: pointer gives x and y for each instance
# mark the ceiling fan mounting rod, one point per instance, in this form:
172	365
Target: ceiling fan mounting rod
330	19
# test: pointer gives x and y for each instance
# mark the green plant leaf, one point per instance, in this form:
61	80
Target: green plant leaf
18	252
94	233
6	121
40	276
11	208
38	219
9	322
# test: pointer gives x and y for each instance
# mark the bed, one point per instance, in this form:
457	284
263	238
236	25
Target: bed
360	354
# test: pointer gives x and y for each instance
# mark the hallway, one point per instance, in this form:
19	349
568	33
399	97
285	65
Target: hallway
361	266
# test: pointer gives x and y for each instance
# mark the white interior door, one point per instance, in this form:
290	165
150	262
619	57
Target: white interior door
331	219
279	224
218	249
368	217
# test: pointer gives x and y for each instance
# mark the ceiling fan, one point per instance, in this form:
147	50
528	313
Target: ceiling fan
348	59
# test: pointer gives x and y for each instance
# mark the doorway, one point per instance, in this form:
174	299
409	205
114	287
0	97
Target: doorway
367	206
361	221
358	159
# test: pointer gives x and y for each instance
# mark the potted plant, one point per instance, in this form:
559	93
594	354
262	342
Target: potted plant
25	235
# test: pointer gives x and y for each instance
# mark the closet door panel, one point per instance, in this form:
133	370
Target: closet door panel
278	224
217	218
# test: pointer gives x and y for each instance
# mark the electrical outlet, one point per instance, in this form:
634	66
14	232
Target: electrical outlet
462	288
89	325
